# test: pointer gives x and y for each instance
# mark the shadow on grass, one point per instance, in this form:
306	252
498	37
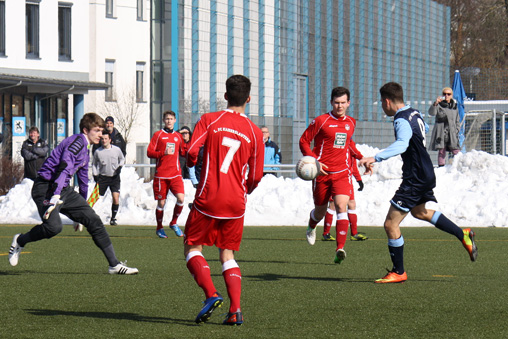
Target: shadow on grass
277	277
110	315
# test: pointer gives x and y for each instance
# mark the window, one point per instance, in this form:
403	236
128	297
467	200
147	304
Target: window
110	4
140	71
109	79
2	28
140	10
64	31
32	29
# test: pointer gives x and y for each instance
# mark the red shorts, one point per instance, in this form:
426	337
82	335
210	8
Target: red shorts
162	186
201	229
326	186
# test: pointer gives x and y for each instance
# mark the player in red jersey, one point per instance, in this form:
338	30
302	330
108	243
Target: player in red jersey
351	207
166	146
232	168
331	133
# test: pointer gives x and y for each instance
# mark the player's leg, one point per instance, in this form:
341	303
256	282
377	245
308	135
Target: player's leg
160	192
49	227
321	196
177	188
228	240
353	222
198	229
330	212
341	201
395	246
77	209
114	207
466	236
115	193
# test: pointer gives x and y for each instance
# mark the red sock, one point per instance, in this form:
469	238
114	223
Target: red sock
312	223
353	221
200	270
159	215
233	280
342	226
176	213
328	221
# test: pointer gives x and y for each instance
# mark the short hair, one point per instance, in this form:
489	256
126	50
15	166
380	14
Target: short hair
91	120
340	91
237	90
449	89
106	132
392	91
173	114
33	129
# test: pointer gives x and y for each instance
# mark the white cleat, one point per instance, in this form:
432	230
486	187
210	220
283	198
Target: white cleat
122	269
15	250
340	255
311	235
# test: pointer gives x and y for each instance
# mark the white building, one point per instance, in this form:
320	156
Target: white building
57	59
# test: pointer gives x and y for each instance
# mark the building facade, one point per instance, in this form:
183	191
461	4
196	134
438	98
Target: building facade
44	69
295	52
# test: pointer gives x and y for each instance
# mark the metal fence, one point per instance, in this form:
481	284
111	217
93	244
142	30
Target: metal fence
485	130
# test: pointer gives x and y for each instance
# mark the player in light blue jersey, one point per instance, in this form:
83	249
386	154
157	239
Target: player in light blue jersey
418	181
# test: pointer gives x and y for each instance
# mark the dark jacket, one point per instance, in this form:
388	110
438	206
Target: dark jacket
34	155
446	130
117	140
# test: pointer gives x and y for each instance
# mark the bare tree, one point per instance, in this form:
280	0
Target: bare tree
126	110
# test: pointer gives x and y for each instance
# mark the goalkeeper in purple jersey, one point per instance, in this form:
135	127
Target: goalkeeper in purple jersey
53	195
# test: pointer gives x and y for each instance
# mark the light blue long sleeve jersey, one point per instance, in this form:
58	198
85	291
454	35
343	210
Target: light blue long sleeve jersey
403	134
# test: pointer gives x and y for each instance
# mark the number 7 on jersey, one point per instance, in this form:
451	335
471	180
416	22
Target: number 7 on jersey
233	145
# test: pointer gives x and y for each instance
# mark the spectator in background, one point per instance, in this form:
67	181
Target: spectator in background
34	150
272	152
116	138
187	172
445	135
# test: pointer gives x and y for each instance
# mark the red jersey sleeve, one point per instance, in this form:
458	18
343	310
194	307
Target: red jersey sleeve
256	162
152	151
307	137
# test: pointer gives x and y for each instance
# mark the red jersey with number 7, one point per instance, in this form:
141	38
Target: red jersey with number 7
233	160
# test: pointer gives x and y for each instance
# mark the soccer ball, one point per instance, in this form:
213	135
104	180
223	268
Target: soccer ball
307	168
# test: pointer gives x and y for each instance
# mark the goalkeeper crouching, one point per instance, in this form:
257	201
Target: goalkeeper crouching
53	195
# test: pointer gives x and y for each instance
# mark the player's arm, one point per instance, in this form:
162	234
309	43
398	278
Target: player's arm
355	153
152	151
82	175
403	134
256	162
121	162
197	140
26	153
307	138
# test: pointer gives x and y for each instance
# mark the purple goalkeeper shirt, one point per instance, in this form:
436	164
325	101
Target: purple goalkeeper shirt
69	157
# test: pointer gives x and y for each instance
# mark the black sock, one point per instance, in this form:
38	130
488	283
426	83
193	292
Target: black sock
396	249
444	224
114	210
109	252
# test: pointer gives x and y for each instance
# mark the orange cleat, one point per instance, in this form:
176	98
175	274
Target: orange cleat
469	244
392	277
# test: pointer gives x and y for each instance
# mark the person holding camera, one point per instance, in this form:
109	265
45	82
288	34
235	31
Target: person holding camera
445	136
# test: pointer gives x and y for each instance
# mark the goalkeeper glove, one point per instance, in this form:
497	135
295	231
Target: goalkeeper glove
361	185
53	203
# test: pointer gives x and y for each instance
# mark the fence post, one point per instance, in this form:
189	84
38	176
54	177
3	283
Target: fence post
494	145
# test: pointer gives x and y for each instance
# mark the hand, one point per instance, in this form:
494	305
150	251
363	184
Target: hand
367	163
53	203
361	185
322	171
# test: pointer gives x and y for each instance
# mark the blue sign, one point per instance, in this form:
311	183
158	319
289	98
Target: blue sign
19	126
60	127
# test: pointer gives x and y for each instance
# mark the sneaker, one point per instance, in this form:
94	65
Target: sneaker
392	277
360	236
113	222
177	230
161	233
120	268
328	237
211	304
311	235
15	250
340	255
233	319
468	243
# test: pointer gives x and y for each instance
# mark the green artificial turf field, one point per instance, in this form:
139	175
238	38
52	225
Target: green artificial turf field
61	288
